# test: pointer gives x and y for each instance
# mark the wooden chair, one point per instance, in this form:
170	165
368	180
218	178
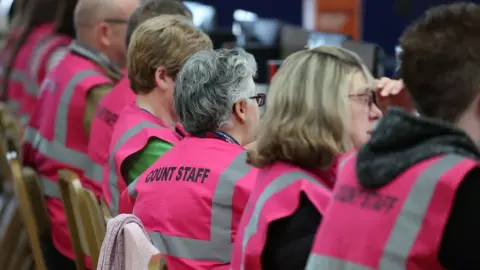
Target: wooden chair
107	215
11	223
86	213
11	229
93	222
11	130
157	262
32	205
66	179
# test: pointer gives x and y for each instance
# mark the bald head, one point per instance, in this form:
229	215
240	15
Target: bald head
101	24
90	12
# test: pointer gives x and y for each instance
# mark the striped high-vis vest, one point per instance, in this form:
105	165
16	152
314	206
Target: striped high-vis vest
398	226
108	111
276	195
55	137
6	51
21	83
37	71
191	201
132	131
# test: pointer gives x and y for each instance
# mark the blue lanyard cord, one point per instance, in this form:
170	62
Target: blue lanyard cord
226	137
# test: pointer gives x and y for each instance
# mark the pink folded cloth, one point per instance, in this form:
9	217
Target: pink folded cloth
126	245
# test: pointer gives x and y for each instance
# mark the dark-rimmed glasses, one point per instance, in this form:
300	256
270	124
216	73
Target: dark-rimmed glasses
260	99
116	20
366	98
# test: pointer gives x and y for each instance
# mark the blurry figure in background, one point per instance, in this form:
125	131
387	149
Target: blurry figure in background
148	128
409	198
40	23
58	132
17	15
320	105
45	57
121	95
204	181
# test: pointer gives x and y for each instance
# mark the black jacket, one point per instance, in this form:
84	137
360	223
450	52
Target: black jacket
400	141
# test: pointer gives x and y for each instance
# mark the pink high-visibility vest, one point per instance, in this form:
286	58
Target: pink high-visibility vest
132	131
105	118
20	82
191	201
55	137
38	71
397	226
6	51
276	195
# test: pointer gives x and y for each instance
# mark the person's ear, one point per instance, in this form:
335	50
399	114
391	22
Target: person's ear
103	34
476	103
162	78
240	110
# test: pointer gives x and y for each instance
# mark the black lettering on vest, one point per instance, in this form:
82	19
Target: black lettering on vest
186	174
199	174
344	194
385	203
205	175
107	116
170	174
191	175
187	169
365	199
158	173
179	174
149	177
368	198
165	173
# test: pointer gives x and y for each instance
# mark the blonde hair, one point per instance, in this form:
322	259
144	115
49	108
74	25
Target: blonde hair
166	40
307	116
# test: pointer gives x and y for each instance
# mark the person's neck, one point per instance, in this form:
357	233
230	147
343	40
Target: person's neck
236	134
471	125
88	42
154	106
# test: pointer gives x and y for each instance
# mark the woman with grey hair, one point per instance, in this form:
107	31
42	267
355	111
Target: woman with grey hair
201	186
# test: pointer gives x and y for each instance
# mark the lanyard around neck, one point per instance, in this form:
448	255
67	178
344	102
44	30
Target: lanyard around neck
224	136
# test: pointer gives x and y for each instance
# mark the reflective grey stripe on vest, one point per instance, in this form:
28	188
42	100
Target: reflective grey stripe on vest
29	85
24	119
407	226
113	176
13	105
37	56
56	149
18	77
219	247
273	188
50	188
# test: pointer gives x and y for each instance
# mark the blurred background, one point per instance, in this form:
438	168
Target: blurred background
273	29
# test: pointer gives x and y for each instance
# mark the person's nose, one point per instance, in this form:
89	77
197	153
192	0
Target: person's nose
375	112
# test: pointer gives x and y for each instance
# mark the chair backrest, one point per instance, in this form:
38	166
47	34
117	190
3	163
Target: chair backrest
32	205
157	262
86	214
93	222
140	253
107	215
66	179
11	131
5	171
11	229
21	251
10	216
